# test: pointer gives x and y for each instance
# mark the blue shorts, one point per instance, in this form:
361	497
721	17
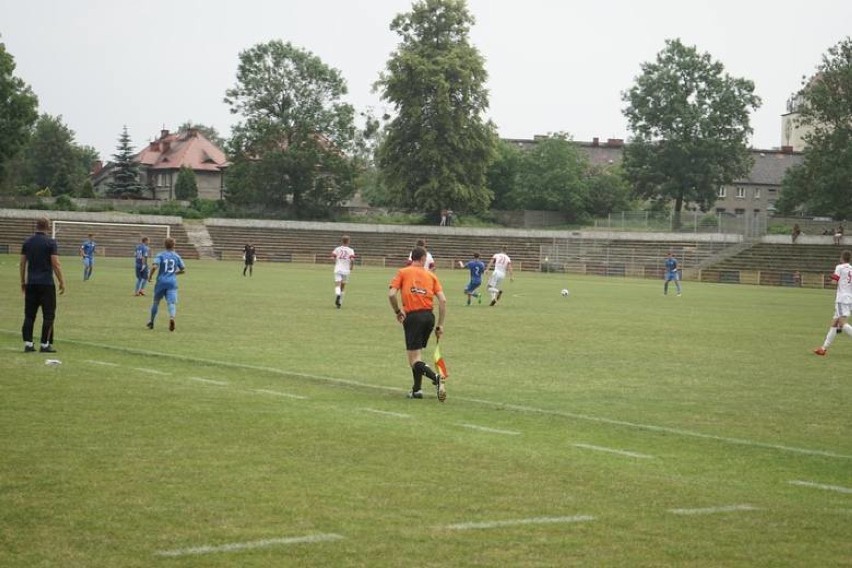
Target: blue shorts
165	290
88	261
472	285
142	272
671	275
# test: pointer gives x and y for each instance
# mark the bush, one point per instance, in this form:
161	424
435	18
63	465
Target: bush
64	203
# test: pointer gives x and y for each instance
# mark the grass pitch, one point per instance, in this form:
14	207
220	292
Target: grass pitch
615	427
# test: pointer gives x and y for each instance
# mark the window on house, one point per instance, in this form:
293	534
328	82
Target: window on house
757	193
740	193
739	212
720	210
723	191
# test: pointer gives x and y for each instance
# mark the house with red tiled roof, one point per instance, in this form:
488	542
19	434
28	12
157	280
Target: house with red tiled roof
161	160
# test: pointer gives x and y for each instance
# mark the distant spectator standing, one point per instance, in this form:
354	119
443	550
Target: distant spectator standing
87	253
795	233
39	263
344	260
443	218
450	217
249	256
838	235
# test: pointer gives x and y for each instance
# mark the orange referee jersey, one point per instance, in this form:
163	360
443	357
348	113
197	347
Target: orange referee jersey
417	287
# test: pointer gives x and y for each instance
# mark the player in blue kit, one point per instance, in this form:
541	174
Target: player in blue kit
477	268
671	274
87	253
167	265
141	255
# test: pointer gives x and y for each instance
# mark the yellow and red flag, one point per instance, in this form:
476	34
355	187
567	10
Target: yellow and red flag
440	364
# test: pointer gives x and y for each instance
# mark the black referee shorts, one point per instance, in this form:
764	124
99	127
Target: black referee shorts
418	327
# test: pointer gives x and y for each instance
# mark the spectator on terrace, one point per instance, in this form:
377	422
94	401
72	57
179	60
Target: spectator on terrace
796	232
838	234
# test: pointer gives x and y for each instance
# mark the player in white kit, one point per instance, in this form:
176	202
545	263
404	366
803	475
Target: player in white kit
842	302
344	260
502	265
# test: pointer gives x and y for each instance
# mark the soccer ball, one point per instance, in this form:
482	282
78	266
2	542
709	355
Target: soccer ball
565	292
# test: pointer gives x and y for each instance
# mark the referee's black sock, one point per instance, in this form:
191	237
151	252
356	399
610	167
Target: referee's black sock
425	370
418	378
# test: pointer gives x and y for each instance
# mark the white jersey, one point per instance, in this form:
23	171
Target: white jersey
430	262
343	258
501	262
843	276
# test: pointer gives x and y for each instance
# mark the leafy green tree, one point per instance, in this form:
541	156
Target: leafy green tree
208	132
823	183
125	174
607	191
18	110
502	176
291	148
690	126
553	177
88	189
438	146
186	186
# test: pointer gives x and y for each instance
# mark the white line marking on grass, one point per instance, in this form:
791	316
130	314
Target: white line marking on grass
713	510
491	430
102	363
518	522
279	393
665	429
614	451
386	413
151	371
237	546
491	403
837	488
209	381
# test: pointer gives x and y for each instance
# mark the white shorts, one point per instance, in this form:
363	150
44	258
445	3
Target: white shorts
341	277
496	279
842	310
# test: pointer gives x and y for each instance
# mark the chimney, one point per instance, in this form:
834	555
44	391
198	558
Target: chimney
786	149
155	146
164	133
596	142
97	166
166	145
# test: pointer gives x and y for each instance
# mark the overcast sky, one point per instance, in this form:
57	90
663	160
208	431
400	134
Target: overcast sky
553	65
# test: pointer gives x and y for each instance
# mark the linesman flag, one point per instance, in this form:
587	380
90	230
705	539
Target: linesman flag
440	364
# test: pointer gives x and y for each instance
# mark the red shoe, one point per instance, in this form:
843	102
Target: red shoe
819	351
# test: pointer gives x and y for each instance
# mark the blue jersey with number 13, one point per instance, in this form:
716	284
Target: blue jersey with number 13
169	263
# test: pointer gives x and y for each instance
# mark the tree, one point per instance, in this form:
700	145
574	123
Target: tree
437	147
690	126
18	110
823	182
607	191
208	132
291	148
125	174
51	158
502	176
552	177
186	186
